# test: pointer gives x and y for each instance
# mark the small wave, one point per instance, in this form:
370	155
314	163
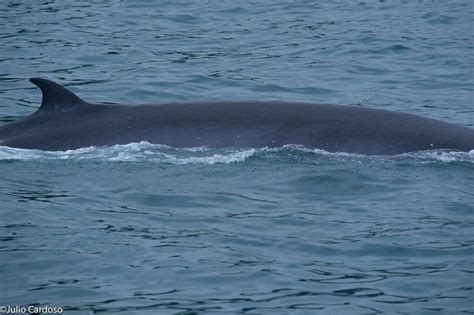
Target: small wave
132	152
446	156
145	151
441	156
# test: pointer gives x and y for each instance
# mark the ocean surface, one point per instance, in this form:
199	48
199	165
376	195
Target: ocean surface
149	229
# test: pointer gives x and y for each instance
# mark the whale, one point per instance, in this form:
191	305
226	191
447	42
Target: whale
64	121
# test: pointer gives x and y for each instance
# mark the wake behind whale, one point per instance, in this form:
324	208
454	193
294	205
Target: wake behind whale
65	122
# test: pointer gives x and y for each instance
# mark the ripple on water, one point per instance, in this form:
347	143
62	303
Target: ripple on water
142	228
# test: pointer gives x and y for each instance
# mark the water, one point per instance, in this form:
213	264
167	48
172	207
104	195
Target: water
146	229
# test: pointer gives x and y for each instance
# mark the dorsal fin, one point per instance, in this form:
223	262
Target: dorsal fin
56	97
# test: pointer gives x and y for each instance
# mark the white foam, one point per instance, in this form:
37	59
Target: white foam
237	156
132	152
145	151
441	156
301	148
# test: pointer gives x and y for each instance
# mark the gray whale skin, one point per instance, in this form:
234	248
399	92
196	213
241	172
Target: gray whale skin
64	121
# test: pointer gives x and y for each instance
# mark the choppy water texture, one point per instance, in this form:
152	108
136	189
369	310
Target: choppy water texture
147	229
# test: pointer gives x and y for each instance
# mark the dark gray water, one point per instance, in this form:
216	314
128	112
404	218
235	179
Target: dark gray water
149	229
